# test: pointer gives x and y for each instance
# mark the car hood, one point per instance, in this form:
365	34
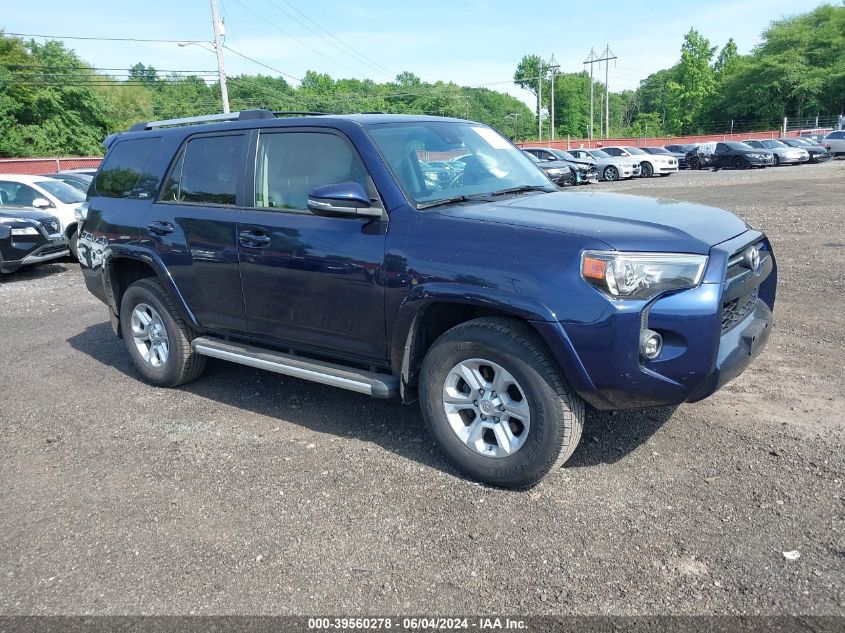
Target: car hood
25	213
554	164
624	222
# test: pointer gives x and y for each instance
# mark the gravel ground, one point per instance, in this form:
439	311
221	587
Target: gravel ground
248	492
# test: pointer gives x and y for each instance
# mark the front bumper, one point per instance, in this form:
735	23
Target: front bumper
794	159
704	346
55	249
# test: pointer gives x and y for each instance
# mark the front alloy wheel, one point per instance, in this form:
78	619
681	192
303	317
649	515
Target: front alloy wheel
486	408
646	170
611	173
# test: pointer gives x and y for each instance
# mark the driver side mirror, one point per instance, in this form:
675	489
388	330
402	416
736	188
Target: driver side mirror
41	203
345	199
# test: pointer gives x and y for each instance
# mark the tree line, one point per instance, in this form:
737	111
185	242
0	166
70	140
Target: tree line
54	103
797	70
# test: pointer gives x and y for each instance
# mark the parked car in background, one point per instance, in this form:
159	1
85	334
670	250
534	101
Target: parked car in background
738	155
585	171
816	137
58	198
783	153
87	171
835	142
681	157
557	171
74	179
650	164
609	167
818	153
29	237
701	155
681	148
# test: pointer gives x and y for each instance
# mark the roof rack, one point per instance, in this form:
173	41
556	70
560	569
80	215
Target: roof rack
243	115
293	113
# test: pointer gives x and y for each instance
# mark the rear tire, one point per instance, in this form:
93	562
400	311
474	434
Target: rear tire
533	399
158	339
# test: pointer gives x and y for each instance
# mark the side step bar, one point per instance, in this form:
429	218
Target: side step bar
370	383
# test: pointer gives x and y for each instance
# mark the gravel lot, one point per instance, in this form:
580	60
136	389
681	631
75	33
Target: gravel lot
249	492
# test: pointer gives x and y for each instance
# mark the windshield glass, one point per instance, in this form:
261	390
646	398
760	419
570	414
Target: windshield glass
634	150
773	143
559	153
598	153
490	162
738	145
63	191
657	150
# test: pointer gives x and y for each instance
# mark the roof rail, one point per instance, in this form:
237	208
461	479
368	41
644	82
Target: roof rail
293	113
243	115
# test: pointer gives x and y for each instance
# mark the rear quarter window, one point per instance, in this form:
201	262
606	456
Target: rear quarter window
125	172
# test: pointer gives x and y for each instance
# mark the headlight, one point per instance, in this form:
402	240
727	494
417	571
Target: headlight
555	172
641	275
29	230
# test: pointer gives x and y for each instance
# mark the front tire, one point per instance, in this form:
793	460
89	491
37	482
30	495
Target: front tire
777	160
694	163
496	405
73	244
611	173
739	163
646	170
158	339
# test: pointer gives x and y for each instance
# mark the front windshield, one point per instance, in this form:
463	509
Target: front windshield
773	143
634	150
491	162
599	153
63	191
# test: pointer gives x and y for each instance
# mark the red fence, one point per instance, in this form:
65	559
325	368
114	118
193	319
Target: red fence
35	166
659	141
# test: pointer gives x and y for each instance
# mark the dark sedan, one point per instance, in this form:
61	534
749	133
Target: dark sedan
29	236
585	171
77	180
736	155
818	153
558	172
662	151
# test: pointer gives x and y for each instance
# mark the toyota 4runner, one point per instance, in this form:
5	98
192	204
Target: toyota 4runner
315	247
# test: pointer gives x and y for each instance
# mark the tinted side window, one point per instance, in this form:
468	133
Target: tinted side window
124	172
207	171
290	164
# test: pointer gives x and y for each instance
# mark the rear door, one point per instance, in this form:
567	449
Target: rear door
309	280
193	227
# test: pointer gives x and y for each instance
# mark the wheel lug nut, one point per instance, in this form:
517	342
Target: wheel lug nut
475	403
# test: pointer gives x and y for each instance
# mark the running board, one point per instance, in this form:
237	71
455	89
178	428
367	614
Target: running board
370	383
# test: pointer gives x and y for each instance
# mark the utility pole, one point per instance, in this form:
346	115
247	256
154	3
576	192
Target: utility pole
553	66
515	117
607	55
218	49
540	106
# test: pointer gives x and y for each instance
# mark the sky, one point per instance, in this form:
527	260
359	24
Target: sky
470	42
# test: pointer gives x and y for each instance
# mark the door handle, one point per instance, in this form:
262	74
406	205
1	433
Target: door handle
159	228
254	239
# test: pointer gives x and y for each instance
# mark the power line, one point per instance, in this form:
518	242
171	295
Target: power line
366	60
103	39
255	61
293	37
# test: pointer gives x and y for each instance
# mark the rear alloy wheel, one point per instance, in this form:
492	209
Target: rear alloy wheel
158	339
495	403
646	170
611	173
738	163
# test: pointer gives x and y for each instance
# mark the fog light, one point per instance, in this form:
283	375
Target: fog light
650	344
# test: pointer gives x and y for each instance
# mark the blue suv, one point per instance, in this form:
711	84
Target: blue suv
314	246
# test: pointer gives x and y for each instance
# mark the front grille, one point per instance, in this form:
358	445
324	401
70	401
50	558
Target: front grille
736	265
735	310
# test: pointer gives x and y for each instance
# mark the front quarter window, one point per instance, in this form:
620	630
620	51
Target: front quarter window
491	163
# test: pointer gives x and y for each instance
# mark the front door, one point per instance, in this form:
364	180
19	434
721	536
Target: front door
309	280
193	227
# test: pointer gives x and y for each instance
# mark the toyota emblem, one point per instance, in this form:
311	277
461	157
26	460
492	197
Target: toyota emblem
751	258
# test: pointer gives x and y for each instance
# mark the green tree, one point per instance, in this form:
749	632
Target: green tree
693	84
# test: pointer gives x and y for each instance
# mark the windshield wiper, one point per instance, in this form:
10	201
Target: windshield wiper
520	189
437	203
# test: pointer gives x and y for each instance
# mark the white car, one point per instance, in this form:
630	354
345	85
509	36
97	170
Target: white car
650	164
835	141
609	167
48	194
